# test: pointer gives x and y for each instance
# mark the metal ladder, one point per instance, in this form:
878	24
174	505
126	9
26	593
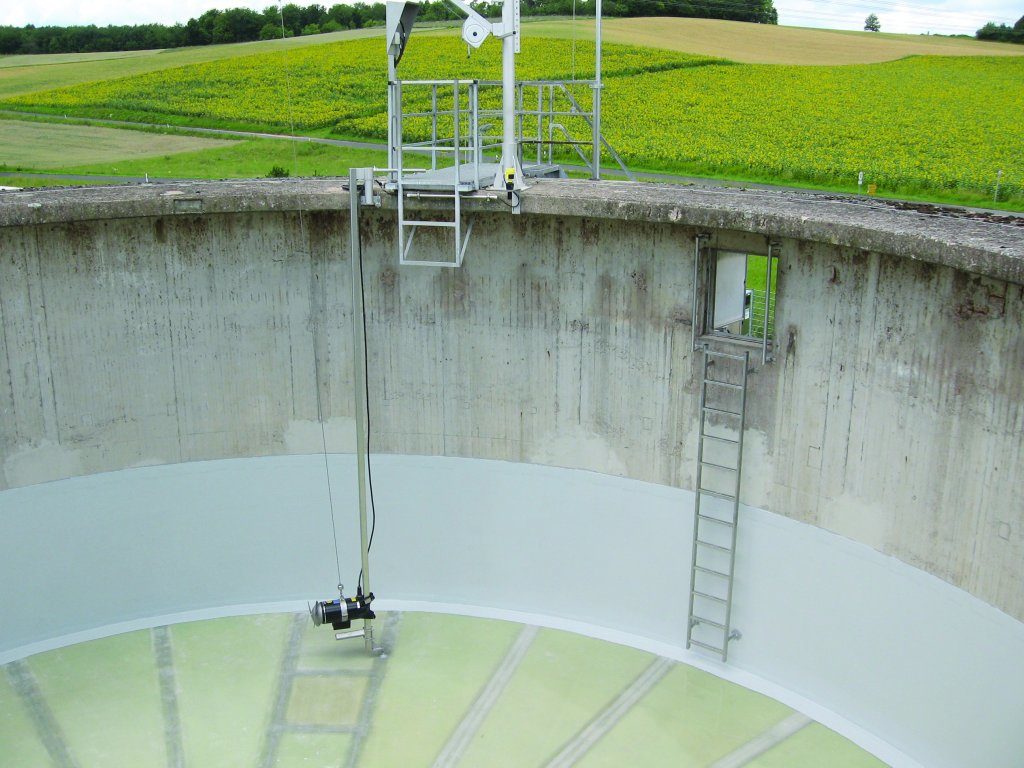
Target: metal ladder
449	184
723	401
407	227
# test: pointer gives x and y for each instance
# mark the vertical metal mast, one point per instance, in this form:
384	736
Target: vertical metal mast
509	146
597	93
359	382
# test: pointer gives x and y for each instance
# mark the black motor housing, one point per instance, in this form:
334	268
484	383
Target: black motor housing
340	613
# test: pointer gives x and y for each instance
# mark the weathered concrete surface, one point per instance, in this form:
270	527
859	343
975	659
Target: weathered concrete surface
949	236
141	330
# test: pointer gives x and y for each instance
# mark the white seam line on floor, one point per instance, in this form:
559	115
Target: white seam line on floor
763	742
460	739
168	696
581	743
389	631
24	683
285	678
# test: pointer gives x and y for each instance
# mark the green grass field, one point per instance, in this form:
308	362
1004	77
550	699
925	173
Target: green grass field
192	158
244	159
44	146
938	128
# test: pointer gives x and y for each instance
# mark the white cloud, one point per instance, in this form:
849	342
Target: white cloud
911	16
103	12
942	16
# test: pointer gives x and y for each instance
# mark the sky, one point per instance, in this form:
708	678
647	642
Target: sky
913	16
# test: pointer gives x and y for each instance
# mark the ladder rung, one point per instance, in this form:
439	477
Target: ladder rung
719	410
720	651
719	547
712	353
709	622
720	439
429	224
712	571
723	383
716	520
718	466
441	194
716	494
705	595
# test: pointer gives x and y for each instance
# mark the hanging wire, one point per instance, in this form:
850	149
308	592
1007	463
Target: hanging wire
288	99
316	359
366	399
573	56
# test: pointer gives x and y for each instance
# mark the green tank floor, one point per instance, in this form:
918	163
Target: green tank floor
273	690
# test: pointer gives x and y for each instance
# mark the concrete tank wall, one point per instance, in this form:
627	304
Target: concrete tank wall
892	415
156	327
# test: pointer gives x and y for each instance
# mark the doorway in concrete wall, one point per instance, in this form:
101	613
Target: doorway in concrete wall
741	295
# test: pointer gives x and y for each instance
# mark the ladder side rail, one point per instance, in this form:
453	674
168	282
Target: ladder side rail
736	509
765	356
475	149
696	503
465	243
694	322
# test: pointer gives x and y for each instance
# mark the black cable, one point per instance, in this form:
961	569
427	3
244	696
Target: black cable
366	399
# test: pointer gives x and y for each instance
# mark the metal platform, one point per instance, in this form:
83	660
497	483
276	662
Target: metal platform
472	176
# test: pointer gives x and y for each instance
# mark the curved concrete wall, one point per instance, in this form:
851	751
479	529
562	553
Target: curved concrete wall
916	671
144	327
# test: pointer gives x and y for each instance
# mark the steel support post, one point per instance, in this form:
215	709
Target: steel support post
359	381
509	146
597	93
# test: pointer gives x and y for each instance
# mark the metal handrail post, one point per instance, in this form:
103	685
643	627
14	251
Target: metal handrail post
457	118
597	93
397	165
519	112
477	142
433	127
457	174
551	111
540	119
392	110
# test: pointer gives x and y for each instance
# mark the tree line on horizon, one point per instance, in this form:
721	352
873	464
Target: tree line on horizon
239	25
1002	33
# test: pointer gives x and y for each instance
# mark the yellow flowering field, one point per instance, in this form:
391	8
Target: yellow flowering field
324	85
939	124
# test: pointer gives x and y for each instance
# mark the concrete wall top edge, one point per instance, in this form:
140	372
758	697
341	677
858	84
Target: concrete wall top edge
980	243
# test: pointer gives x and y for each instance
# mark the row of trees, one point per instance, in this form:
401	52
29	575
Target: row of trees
1002	33
237	25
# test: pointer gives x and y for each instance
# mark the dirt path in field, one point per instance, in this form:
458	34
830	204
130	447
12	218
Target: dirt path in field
612	173
196	129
